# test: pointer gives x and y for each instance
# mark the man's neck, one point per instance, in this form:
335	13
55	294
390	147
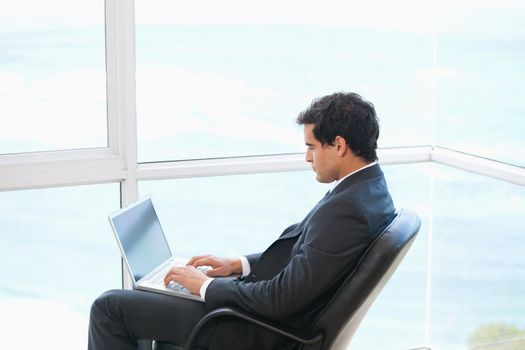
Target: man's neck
364	165
355	165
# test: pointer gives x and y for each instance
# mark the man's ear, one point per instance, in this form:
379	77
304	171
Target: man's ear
341	145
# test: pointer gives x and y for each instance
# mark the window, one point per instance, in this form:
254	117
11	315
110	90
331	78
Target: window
52	76
480	77
57	254
221	79
477	247
231	215
229	78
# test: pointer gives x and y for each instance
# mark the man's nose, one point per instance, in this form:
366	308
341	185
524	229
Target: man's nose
308	157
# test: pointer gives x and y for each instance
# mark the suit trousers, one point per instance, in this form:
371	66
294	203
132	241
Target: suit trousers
119	319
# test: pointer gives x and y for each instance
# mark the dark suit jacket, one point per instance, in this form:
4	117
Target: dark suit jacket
293	279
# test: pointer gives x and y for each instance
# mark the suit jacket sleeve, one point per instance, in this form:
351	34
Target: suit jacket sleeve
335	236
253	258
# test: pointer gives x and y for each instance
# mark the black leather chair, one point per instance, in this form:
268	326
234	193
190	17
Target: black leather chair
337	322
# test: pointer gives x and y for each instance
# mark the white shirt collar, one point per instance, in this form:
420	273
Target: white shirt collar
352	173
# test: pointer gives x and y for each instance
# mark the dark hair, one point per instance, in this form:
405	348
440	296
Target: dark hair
346	115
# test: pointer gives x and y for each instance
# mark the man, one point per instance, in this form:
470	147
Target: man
295	277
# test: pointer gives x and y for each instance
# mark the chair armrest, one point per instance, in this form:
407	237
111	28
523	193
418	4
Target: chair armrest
293	334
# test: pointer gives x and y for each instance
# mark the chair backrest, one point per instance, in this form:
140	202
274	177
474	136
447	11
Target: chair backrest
340	318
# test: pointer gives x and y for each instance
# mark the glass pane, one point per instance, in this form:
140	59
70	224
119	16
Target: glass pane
229	78
231	215
236	215
57	254
481	59
52	76
477	265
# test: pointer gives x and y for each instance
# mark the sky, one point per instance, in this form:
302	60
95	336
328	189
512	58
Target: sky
399	15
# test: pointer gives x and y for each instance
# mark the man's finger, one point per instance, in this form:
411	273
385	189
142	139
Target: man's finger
172	275
195	259
209	272
206	260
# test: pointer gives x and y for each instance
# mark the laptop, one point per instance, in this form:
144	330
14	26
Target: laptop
145	250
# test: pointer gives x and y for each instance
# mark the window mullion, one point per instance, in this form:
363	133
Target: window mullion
122	129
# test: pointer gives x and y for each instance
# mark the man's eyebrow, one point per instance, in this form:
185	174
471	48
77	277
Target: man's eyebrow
308	144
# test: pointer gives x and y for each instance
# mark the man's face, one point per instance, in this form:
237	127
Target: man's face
324	159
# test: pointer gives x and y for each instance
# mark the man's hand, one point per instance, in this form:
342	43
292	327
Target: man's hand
190	278
219	266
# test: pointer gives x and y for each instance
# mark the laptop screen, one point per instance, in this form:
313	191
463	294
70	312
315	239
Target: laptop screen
141	237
